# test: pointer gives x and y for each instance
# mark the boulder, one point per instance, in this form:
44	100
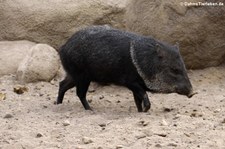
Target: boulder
199	30
53	22
11	54
41	64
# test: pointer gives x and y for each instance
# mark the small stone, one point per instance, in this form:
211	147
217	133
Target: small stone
86	140
20	89
118	101
91	90
52	82
217	110
148	132
161	134
164	123
8	116
119	146
193	115
102	124
66	123
78	147
2	96
140	136
158	145
167	109
143	123
90	100
172	144
101	97
188	135
177	116
39	135
223	121
108	101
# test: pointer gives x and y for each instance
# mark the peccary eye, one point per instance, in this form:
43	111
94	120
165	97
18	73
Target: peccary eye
176	71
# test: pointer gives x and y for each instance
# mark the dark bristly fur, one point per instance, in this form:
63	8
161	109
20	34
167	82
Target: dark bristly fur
106	55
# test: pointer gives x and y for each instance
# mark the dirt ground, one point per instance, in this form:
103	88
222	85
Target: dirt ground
31	120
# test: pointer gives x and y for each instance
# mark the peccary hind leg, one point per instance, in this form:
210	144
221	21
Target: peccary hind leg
64	85
140	96
82	87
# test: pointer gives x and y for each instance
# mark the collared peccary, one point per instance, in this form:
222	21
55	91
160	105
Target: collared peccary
106	55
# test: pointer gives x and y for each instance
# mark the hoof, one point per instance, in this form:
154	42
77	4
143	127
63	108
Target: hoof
146	108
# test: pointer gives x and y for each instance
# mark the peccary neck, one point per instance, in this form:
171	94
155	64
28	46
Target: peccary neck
138	68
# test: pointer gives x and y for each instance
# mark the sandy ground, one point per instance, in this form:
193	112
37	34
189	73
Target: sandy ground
31	120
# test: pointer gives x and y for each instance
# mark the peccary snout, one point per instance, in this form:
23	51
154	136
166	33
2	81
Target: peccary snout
187	91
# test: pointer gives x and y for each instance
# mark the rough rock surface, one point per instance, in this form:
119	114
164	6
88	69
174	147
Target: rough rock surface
200	31
11	54
53	22
41	64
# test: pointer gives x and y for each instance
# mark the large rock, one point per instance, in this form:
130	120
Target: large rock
11	54
200	31
41	64
53	21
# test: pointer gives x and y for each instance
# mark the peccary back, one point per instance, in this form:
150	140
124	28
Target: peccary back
107	55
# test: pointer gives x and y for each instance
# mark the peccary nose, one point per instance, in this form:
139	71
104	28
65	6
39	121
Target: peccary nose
191	94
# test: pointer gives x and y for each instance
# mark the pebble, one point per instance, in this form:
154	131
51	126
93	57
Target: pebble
148	132
79	147
172	144
66	123
177	116
143	123
167	109
223	121
20	89
2	96
118	101
161	134
39	135
8	116
102	124
217	110
164	123
195	114
91	90
86	140
140	136
158	145
52	82
119	146
101	97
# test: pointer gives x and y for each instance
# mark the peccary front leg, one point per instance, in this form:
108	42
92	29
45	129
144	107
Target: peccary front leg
138	102
140	96
146	103
82	87
64	85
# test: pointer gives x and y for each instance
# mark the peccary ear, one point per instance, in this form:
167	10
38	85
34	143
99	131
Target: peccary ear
177	46
160	52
